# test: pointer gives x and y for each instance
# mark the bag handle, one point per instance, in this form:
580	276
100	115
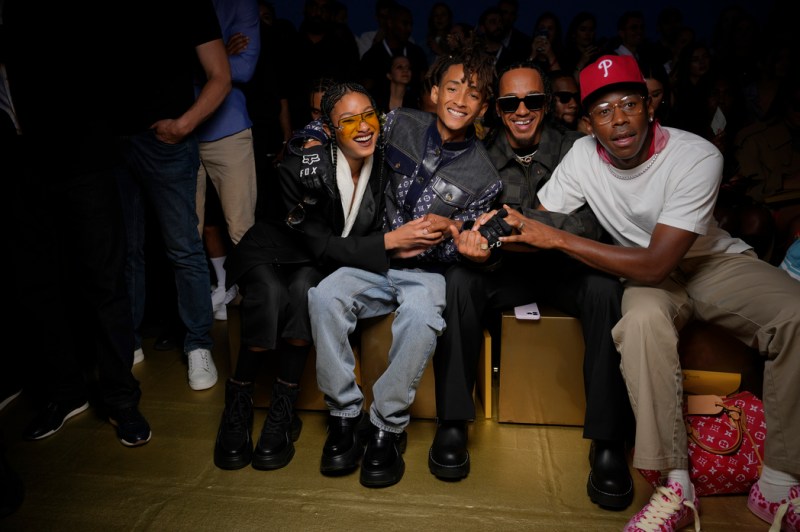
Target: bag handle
737	423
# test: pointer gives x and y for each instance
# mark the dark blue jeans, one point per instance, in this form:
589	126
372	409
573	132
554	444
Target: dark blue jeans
165	176
68	251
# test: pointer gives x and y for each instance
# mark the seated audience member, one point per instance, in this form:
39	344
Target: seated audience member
437	174
525	152
399	92
565	109
281	257
653	189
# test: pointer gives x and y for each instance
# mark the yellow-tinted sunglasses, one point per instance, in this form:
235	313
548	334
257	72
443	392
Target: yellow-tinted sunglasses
349	124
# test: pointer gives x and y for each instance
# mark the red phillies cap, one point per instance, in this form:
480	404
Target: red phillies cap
609	70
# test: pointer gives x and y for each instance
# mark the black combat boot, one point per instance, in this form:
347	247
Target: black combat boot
234	446
282	427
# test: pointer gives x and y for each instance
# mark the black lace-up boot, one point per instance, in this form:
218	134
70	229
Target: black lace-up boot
234	446
282	427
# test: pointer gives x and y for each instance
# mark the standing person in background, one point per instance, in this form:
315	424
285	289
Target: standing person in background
321	51
226	146
581	46
547	46
653	189
400	93
631	35
397	41
267	95
516	42
67	233
370	37
160	46
440	20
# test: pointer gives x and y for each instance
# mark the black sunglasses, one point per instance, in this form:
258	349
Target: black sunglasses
565	97
533	102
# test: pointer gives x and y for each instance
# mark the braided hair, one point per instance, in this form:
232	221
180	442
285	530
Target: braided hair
331	97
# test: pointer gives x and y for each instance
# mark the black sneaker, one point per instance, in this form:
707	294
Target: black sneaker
52	418
7	396
132	428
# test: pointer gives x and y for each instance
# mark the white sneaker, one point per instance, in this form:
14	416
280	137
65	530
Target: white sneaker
220	299
138	356
218	296
202	372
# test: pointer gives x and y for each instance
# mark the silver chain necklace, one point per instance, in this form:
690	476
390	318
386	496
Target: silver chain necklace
634	176
525	160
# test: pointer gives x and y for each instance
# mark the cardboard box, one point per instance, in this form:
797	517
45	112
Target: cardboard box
376	339
541	370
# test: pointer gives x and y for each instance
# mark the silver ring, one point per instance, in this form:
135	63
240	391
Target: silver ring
521	225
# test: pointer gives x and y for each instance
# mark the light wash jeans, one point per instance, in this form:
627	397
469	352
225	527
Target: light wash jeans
165	176
416	297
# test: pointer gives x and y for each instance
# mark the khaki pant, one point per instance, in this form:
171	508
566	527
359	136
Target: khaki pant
754	301
230	164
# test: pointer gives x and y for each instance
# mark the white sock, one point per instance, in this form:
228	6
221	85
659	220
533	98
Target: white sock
681	476
219	268
775	485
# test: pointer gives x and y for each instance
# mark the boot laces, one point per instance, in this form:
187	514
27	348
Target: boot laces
280	415
237	412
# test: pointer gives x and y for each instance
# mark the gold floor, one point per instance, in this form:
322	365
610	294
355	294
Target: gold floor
523	477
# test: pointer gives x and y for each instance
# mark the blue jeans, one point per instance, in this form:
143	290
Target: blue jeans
416	297
165	175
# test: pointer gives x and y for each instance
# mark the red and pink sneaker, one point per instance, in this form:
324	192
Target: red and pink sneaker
667	511
784	515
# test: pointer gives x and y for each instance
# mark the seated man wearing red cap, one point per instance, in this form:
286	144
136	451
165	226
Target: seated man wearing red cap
653	189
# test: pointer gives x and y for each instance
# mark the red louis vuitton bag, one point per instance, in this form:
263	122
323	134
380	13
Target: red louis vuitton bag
726	442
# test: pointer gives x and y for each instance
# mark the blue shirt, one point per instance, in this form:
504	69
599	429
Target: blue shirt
235	16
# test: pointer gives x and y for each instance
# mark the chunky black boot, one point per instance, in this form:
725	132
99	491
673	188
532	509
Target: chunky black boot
383	463
282	427
448	458
345	443
610	484
234	446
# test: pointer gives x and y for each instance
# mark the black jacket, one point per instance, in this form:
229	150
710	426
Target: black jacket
317	239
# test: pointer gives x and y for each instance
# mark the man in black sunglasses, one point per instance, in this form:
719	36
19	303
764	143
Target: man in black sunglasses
525	152
565	109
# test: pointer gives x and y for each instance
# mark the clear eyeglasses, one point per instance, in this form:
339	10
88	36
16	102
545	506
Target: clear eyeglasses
631	105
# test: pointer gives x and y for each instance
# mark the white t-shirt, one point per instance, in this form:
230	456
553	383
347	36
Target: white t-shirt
679	190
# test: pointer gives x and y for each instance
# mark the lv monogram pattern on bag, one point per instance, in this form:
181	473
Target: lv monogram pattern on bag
726	449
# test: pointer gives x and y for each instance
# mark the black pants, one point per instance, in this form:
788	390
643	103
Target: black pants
68	249
545	277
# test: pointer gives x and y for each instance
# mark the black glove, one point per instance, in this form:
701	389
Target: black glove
315	165
495	228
